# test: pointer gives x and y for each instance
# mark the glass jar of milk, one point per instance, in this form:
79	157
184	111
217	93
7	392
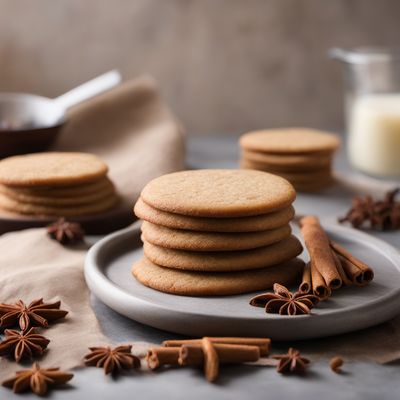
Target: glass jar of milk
372	102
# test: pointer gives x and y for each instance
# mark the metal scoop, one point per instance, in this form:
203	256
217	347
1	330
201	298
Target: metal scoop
30	123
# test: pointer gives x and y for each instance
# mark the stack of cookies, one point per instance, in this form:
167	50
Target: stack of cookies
302	156
55	185
217	232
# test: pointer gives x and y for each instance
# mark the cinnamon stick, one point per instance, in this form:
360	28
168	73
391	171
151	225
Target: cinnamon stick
264	344
306	286
227	354
345	279
317	243
319	287
352	271
159	356
360	273
211	360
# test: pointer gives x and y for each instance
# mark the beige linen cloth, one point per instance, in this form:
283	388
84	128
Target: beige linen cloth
134	132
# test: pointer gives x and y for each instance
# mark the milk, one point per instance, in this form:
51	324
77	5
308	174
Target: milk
374	134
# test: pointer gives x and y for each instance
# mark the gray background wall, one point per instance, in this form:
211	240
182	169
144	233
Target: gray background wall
224	66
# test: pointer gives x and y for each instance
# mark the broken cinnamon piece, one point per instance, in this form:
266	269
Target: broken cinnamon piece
227	354
211	360
317	243
305	286
264	344
359	272
159	356
345	279
319	287
191	354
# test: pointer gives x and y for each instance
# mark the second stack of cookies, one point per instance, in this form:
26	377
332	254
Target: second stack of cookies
302	156
55	184
217	232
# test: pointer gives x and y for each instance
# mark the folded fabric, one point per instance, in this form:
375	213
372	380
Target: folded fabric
33	266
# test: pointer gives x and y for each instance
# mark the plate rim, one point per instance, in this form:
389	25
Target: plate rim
95	278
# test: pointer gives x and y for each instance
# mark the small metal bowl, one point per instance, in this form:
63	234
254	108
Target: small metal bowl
28	123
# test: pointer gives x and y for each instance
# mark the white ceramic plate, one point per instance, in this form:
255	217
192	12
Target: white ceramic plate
107	272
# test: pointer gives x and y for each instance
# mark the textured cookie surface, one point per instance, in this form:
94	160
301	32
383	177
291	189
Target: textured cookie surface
211	241
53	168
242	224
219	193
261	257
188	283
295	140
99	206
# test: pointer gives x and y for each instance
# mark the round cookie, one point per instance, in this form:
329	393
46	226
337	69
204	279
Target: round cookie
188	283
219	193
62	211
315	186
53	168
59	201
261	257
308	179
211	241
59	191
292	177
287	162
291	140
244	224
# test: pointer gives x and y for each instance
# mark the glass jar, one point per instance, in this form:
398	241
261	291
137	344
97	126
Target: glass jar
372	108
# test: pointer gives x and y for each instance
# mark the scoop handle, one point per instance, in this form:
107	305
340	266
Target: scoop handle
89	89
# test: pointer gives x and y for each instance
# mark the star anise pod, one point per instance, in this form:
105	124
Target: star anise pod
284	302
112	360
37	379
291	363
37	313
23	344
66	232
380	214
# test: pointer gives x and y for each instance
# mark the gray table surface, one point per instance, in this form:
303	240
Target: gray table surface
361	381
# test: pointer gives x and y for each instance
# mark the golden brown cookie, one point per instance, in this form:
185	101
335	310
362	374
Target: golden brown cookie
55	201
53	168
219	193
315	186
243	224
287	163
189	283
58	191
16	207
211	241
293	177
261	257
290	140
